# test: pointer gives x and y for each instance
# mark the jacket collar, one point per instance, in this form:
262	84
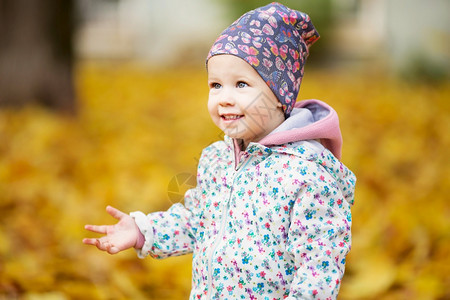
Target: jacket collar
254	151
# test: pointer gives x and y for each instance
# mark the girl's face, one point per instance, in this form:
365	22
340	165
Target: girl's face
240	102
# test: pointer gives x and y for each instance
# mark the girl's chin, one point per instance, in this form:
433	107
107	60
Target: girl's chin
236	135
233	134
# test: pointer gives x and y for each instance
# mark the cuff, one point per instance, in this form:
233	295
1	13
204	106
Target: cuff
145	238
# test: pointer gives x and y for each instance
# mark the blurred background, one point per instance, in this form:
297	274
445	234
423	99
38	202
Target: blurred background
104	103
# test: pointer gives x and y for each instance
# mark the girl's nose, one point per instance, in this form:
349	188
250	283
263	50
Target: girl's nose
226	98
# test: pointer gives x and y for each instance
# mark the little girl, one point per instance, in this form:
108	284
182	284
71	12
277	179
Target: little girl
270	215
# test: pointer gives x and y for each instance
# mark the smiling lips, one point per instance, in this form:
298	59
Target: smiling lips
230	117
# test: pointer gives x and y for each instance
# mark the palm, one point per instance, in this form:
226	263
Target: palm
118	237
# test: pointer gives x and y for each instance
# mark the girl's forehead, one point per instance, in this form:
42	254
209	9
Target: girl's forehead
226	64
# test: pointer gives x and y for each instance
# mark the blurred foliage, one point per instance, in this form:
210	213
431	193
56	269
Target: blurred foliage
424	67
138	129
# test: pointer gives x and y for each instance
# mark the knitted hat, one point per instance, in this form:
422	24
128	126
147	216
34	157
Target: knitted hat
275	41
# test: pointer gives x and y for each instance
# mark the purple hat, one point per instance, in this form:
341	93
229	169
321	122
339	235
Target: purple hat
274	40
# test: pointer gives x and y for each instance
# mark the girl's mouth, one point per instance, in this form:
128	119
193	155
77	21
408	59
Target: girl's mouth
231	117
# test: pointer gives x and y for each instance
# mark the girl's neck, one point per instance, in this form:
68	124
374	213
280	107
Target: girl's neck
241	144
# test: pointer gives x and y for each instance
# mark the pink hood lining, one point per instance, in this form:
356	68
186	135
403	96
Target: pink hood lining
326	130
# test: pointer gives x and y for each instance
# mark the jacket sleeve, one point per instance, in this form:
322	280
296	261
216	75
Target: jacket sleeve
319	239
169	233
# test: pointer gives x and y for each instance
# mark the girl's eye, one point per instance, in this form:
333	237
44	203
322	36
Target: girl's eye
216	85
241	84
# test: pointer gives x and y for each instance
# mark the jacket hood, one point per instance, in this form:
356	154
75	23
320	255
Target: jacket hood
343	176
309	120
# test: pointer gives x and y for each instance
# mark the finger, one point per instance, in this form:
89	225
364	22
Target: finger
115	213
113	250
93	242
103	244
108	247
96	228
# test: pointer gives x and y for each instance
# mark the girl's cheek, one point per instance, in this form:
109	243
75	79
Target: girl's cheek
212	106
213	99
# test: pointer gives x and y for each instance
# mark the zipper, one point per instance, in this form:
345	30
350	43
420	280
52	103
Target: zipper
222	230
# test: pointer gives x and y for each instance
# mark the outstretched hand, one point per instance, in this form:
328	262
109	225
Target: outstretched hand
118	237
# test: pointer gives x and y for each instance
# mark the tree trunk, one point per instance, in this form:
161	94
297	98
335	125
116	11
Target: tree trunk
36	54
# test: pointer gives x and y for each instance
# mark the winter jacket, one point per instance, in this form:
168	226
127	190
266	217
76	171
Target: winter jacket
270	222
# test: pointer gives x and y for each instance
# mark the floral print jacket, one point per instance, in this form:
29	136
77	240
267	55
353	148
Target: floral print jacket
271	223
